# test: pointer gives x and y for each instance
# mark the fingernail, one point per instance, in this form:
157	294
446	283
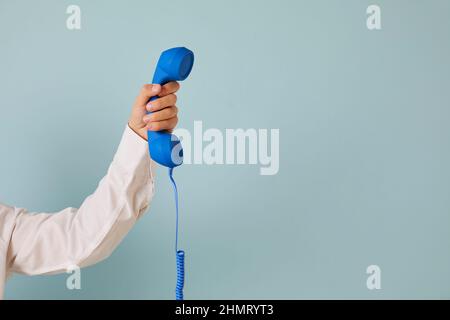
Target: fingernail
149	107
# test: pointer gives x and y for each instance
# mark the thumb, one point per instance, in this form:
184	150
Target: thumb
147	91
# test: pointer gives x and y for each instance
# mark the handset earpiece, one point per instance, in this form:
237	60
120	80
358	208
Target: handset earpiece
173	65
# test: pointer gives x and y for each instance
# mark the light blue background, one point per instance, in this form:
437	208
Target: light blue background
364	123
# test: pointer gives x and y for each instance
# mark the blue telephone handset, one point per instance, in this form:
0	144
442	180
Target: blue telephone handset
174	65
165	148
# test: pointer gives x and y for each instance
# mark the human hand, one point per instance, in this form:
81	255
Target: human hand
164	111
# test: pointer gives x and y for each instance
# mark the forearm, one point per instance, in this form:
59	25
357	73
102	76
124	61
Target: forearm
50	243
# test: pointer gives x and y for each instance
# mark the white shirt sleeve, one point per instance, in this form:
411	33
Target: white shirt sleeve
43	243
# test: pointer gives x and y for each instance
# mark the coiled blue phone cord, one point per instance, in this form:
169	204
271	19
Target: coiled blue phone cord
179	253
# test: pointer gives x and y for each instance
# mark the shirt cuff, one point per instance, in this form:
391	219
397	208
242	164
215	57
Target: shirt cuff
133	154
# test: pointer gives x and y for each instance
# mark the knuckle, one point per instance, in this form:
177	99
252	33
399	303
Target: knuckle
167	112
167	101
171	99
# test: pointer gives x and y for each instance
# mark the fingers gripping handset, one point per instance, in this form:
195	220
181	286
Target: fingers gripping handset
174	65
